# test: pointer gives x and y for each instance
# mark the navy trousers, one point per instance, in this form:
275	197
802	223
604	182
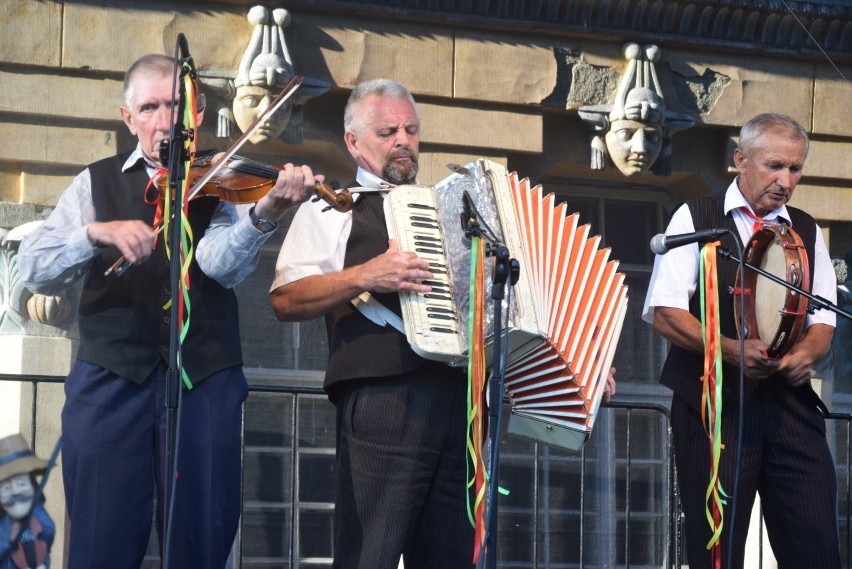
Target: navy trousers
401	472
784	457
113	461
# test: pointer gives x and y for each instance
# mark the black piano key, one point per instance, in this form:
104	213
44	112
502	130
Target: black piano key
441	330
439	309
422	224
423	218
434	296
427	238
428	251
420	206
441	316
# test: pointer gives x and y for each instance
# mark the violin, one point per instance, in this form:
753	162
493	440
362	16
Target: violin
242	181
246	181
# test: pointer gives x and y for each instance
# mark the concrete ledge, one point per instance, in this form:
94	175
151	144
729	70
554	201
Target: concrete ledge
36	355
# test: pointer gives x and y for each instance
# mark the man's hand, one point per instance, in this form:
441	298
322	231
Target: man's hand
609	388
797	364
294	185
756	365
134	238
393	271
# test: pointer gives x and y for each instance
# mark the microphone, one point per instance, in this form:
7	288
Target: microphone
183	46
662	243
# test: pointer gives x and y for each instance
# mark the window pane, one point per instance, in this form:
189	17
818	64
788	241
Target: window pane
629	228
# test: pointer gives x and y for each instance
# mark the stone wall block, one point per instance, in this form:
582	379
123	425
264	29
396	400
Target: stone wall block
347	54
754	86
832	94
824	202
109	36
481	128
58	146
30	32
491	68
68	97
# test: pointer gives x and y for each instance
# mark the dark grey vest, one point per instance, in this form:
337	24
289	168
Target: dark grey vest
358	348
123	326
683	369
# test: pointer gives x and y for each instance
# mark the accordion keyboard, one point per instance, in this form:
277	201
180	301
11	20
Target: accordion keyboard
431	319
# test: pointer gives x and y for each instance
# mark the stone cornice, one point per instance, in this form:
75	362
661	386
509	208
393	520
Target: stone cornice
778	25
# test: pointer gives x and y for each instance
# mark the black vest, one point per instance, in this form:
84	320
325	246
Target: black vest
358	348
123	326
683	369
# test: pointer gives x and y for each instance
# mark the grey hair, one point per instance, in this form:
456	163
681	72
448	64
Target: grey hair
353	121
152	64
759	125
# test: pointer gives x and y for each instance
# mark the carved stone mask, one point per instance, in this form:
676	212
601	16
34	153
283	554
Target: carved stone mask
635	136
265	70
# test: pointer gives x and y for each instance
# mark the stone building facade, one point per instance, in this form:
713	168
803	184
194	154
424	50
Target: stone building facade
497	79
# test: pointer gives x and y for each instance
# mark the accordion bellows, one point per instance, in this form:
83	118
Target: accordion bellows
564	315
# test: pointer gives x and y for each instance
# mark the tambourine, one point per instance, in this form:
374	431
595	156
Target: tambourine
773	312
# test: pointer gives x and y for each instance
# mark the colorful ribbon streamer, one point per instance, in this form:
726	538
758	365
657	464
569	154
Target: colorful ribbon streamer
711	397
476	405
190	120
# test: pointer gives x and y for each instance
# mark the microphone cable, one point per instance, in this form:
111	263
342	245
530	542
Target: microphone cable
741	402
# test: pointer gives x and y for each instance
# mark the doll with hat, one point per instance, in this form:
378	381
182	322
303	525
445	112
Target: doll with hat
26	530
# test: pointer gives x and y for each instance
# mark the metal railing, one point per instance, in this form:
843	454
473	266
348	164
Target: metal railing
552	517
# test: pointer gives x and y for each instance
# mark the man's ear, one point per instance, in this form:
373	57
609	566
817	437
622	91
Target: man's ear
200	106
739	159
125	116
351	140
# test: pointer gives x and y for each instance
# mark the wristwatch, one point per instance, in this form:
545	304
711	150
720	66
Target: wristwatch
262	225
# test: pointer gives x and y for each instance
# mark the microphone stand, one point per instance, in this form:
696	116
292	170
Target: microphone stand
816	302
176	155
505	270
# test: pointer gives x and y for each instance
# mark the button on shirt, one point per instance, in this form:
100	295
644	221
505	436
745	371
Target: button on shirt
675	276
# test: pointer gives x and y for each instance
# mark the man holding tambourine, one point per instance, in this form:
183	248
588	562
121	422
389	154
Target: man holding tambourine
779	449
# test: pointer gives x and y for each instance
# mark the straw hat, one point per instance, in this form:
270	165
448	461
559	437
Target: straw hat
17	458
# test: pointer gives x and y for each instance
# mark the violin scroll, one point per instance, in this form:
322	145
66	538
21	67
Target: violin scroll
341	201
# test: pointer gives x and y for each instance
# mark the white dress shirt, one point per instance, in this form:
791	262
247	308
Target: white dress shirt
675	275
316	241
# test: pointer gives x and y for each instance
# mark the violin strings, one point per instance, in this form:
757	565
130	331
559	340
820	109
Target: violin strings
253	167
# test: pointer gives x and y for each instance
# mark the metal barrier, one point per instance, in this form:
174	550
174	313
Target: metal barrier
613	504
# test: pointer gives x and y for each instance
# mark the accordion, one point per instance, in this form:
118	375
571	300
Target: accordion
564	315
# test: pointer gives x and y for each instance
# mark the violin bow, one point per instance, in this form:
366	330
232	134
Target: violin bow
276	104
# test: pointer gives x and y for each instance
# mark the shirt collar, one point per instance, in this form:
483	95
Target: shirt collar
734	200
135	157
369	180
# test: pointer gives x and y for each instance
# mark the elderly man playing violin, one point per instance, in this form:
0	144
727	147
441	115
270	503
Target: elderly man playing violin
113	422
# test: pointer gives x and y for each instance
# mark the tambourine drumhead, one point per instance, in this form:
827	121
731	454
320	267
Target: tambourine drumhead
770	295
774	313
